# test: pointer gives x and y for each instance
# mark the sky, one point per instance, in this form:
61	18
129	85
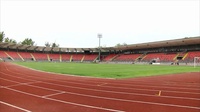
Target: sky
76	23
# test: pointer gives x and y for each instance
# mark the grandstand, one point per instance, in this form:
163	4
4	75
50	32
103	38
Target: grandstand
178	50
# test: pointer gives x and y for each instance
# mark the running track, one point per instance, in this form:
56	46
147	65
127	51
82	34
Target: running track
27	90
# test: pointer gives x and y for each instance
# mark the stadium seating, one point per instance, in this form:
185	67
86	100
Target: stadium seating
54	57
65	57
40	56
127	57
14	55
3	55
25	55
77	57
162	57
90	57
109	57
190	56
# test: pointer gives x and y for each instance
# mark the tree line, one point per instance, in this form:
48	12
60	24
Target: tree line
26	41
29	41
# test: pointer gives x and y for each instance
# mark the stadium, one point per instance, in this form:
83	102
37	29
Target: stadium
99	55
36	78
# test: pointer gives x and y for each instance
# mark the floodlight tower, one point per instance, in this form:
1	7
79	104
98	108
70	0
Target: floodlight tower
99	36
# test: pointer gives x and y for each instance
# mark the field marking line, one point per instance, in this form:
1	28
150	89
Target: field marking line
135	101
125	93
137	85
123	100
28	84
131	88
77	104
21	84
17	76
119	84
45	96
8	80
184	106
115	91
25	110
102	84
118	87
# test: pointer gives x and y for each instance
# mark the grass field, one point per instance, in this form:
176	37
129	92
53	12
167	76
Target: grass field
108	70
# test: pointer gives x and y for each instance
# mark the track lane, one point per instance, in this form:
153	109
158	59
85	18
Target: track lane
57	97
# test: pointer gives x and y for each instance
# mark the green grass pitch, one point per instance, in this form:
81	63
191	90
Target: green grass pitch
108	70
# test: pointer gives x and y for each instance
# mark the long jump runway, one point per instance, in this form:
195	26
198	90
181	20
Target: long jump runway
27	90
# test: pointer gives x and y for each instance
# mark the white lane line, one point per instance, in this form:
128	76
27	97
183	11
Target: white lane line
86	76
124	93
110	86
9	80
17	76
135	85
180	105
128	88
71	103
115	99
20	84
53	94
15	106
119	92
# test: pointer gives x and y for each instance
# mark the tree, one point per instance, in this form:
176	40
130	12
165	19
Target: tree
54	45
47	44
10	40
125	44
2	35
118	45
28	41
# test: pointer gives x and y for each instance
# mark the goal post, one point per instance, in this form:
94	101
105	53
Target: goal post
196	61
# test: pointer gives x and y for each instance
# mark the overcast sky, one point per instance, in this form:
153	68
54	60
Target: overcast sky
76	23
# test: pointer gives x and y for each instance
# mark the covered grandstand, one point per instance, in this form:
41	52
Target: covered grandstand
168	51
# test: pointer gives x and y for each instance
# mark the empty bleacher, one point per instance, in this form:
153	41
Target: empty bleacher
190	56
77	57
90	57
162	57
127	57
40	56
66	57
3	55
14	55
25	55
54	57
109	57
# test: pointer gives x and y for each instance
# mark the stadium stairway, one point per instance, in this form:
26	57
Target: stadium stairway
33	57
60	58
83	58
140	57
176	56
185	56
20	56
9	56
114	57
48	57
71	58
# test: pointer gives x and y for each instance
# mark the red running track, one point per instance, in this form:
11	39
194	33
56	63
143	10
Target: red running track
27	90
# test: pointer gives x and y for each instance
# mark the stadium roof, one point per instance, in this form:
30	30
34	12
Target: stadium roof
165	43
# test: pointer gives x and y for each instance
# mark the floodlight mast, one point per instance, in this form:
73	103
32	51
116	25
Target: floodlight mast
99	36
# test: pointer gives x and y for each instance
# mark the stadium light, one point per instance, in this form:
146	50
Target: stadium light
99	36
